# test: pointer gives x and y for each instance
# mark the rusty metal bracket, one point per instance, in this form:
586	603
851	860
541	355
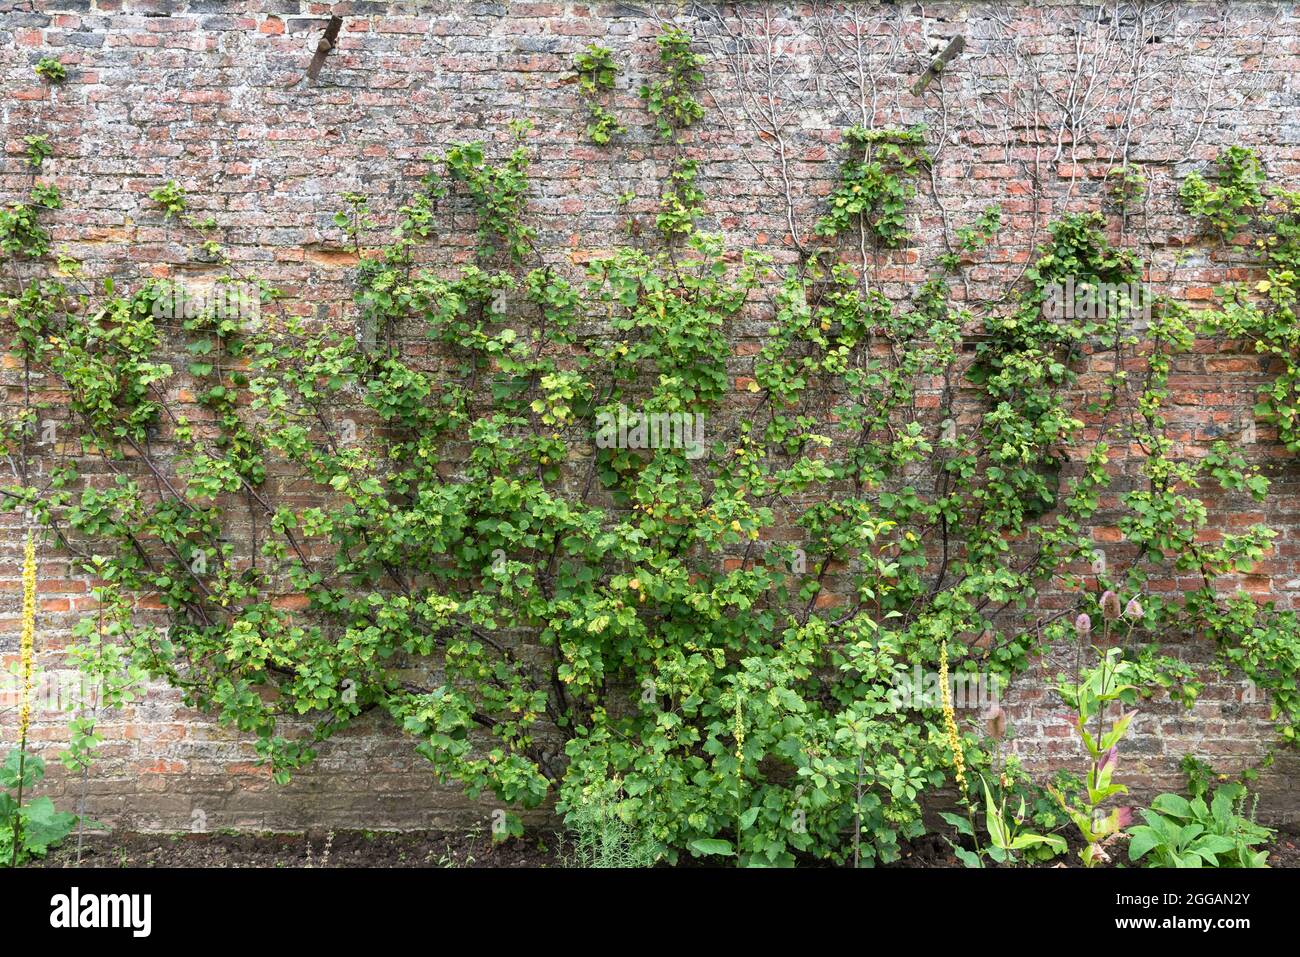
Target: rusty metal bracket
327	43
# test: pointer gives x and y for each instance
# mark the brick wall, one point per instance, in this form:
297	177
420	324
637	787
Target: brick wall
215	96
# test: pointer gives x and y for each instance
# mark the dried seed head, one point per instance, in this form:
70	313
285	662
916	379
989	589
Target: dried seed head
1110	606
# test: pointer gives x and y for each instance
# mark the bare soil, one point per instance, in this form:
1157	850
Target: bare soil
343	849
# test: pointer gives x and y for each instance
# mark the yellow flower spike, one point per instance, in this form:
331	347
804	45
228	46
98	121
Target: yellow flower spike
26	643
739	732
950	720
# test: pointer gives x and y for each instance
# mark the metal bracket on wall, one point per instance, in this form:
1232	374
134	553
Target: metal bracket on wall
327	43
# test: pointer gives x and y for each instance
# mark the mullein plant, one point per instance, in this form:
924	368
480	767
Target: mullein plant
950	723
953	739
26	662
30	829
1090	697
965	825
739	732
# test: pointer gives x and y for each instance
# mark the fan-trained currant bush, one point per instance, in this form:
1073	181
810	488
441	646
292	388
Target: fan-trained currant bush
701	640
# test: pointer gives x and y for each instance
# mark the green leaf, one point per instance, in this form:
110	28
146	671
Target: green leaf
710	846
968	858
1053	841
960	822
1173	805
1215	844
1142	839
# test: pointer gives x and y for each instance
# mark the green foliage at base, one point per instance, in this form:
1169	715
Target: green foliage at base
1183	833
38	824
